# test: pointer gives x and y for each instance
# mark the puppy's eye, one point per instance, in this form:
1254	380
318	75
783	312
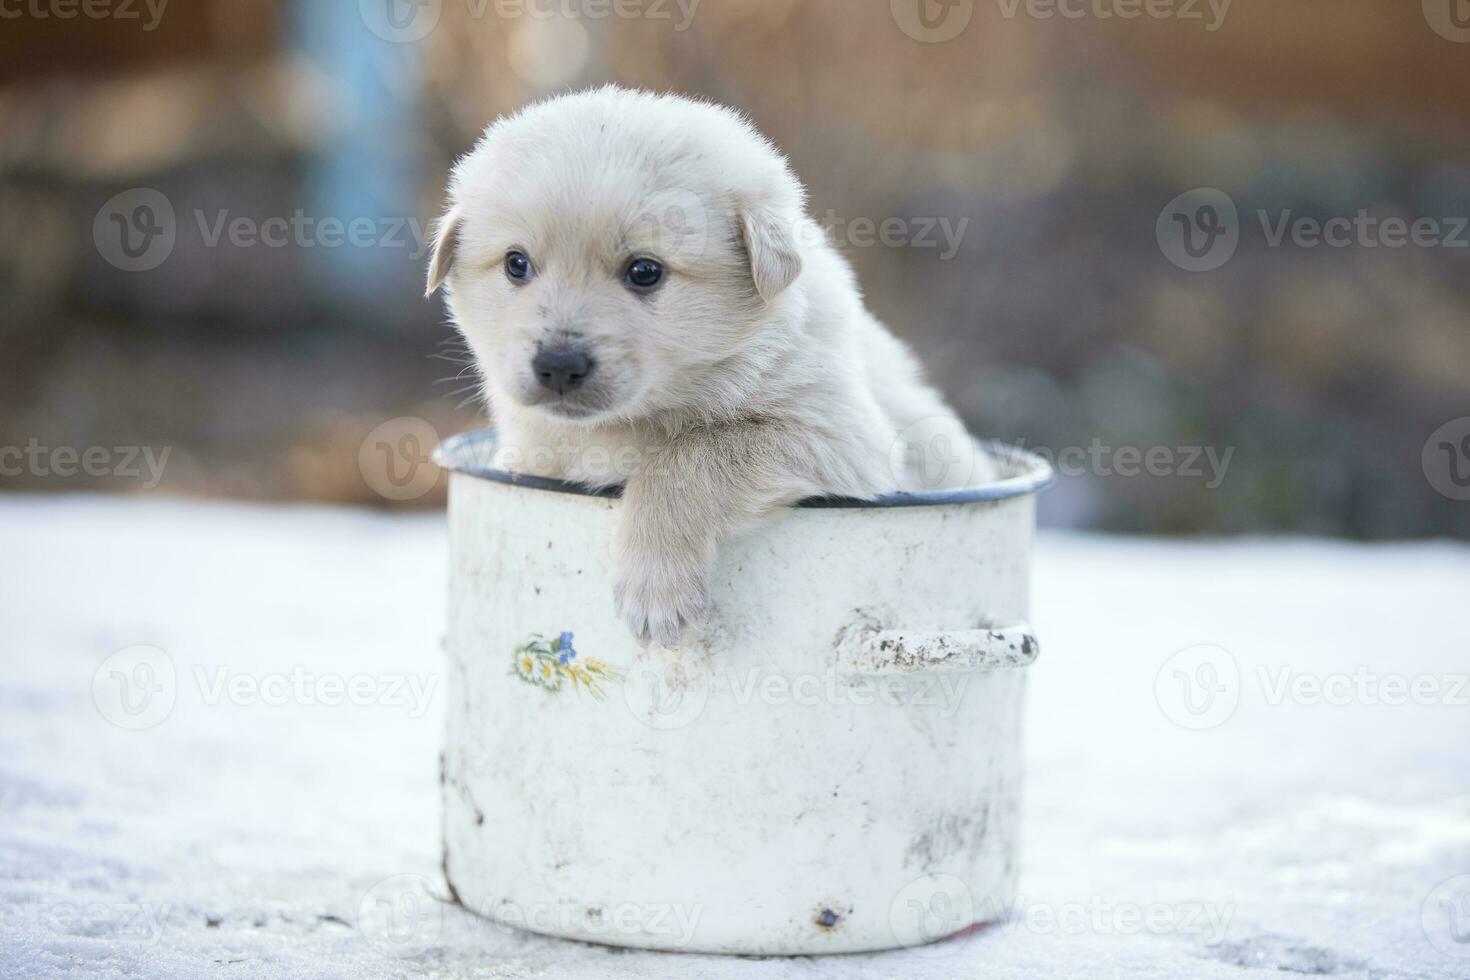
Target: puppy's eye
644	274
518	267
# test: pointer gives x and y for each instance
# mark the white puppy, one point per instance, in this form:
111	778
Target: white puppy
649	304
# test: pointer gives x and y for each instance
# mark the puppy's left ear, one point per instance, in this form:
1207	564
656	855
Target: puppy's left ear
446	243
771	245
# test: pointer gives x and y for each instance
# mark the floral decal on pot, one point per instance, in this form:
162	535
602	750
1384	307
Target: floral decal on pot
553	665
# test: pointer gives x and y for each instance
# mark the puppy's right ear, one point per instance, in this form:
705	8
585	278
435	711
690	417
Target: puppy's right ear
774	260
446	243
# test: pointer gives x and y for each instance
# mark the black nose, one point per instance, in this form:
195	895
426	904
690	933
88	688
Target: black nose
561	370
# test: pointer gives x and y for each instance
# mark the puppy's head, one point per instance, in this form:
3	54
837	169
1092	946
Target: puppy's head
607	253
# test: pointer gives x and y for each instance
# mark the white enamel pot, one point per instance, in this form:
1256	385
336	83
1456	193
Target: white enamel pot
833	764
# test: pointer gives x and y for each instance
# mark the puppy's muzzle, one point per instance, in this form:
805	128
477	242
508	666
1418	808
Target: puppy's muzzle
561	369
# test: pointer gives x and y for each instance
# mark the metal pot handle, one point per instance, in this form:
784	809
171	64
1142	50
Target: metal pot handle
865	650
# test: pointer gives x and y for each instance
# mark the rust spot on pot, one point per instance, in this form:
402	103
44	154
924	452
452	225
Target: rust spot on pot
827	918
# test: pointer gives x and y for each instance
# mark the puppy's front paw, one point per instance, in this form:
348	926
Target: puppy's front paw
660	599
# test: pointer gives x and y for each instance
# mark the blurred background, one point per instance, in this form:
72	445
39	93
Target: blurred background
1093	219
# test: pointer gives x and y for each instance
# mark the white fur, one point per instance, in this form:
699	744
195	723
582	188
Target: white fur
751	378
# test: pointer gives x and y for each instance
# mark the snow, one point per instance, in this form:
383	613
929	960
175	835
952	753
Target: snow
282	817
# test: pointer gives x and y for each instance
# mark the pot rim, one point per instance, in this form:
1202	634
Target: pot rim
468	453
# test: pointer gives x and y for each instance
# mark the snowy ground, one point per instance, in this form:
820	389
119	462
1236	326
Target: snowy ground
1300	820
